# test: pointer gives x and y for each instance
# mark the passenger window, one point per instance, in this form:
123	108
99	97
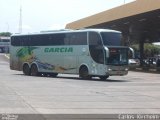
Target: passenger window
79	38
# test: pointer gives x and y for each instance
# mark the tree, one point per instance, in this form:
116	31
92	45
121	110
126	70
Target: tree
6	34
149	49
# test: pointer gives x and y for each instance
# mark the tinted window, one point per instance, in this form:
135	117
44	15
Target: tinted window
118	56
50	39
96	47
24	40
19	40
13	41
38	40
76	38
94	38
57	39
110	38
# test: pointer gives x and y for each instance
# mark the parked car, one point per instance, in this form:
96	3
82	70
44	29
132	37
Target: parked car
133	63
150	62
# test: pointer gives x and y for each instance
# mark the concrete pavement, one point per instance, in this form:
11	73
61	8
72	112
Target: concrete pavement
136	93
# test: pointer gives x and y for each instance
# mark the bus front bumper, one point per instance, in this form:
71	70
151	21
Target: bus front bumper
119	71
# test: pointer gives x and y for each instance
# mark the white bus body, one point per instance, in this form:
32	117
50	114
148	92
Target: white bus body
87	52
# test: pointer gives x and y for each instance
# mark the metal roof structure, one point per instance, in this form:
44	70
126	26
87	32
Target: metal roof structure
127	10
139	22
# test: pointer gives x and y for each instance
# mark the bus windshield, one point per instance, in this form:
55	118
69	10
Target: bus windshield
111	38
118	56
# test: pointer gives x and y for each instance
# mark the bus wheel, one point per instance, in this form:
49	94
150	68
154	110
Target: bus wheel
83	73
103	77
34	70
26	69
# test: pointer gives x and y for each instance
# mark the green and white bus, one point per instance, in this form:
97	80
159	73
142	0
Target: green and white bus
87	52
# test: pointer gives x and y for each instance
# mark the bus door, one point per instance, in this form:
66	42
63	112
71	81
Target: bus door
96	48
97	54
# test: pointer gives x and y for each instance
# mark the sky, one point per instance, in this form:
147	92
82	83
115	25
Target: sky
41	15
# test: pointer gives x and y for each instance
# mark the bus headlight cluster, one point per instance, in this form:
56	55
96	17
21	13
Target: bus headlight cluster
126	69
109	69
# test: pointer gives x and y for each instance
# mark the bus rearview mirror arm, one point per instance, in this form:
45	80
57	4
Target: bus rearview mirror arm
107	51
131	49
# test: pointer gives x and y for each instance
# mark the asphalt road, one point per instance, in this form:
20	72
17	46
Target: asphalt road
136	93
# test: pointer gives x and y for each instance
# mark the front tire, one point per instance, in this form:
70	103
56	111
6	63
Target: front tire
103	77
53	74
34	70
84	73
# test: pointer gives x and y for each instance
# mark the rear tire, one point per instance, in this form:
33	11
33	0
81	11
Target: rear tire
26	69
84	73
34	70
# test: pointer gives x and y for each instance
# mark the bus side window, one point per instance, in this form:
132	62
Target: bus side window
67	39
81	38
15	41
24	41
76	38
58	39
73	39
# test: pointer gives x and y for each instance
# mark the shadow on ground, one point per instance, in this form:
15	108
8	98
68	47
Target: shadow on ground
77	78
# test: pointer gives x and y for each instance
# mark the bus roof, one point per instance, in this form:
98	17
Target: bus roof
68	31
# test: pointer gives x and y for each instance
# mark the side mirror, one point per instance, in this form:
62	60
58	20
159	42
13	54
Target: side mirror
107	51
132	51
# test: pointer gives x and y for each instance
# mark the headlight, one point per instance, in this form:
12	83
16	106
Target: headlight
109	69
126	69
